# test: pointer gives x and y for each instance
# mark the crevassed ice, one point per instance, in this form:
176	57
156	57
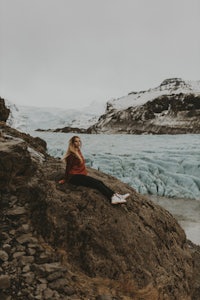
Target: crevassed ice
163	165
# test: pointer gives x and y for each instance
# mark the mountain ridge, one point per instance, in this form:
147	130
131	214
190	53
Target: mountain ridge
167	87
171	108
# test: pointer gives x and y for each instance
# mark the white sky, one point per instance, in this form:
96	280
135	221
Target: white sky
68	53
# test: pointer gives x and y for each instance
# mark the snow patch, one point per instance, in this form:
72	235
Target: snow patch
167	87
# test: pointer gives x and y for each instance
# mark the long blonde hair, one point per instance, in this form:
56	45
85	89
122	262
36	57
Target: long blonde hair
71	149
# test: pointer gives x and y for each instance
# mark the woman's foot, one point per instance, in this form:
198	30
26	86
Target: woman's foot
117	199
123	196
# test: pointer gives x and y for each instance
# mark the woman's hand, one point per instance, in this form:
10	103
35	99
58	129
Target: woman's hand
62	181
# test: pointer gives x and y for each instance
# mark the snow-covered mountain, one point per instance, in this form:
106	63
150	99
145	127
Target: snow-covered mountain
173	107
29	118
167	87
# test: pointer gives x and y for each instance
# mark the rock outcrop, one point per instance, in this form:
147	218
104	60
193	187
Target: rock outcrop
4	111
65	129
64	242
175	111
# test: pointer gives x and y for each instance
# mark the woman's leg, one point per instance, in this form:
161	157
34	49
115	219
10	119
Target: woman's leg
94	183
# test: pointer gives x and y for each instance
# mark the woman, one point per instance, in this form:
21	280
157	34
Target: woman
76	173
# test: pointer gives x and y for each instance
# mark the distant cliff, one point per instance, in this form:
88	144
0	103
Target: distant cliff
171	108
64	242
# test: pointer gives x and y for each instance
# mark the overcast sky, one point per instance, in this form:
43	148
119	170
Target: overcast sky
68	53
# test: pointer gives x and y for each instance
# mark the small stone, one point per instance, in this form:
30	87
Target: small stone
26	238
58	284
27	260
48	294
12	232
43	258
31	251
7	248
29	277
25	228
42	280
38	297
57	296
30	245
20	248
16	211
18	254
55	276
69	291
4	282
3	256
49	268
26	269
5	265
40	288
5	236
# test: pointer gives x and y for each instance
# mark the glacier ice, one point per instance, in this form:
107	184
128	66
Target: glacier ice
163	165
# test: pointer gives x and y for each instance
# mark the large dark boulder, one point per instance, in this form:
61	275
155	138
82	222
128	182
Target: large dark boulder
60	241
36	143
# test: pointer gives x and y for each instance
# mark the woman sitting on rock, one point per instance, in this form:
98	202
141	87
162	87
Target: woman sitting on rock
76	173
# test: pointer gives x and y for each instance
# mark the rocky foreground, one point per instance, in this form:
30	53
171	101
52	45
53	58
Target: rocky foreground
63	242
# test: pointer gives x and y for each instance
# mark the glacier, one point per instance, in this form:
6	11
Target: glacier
28	118
162	165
